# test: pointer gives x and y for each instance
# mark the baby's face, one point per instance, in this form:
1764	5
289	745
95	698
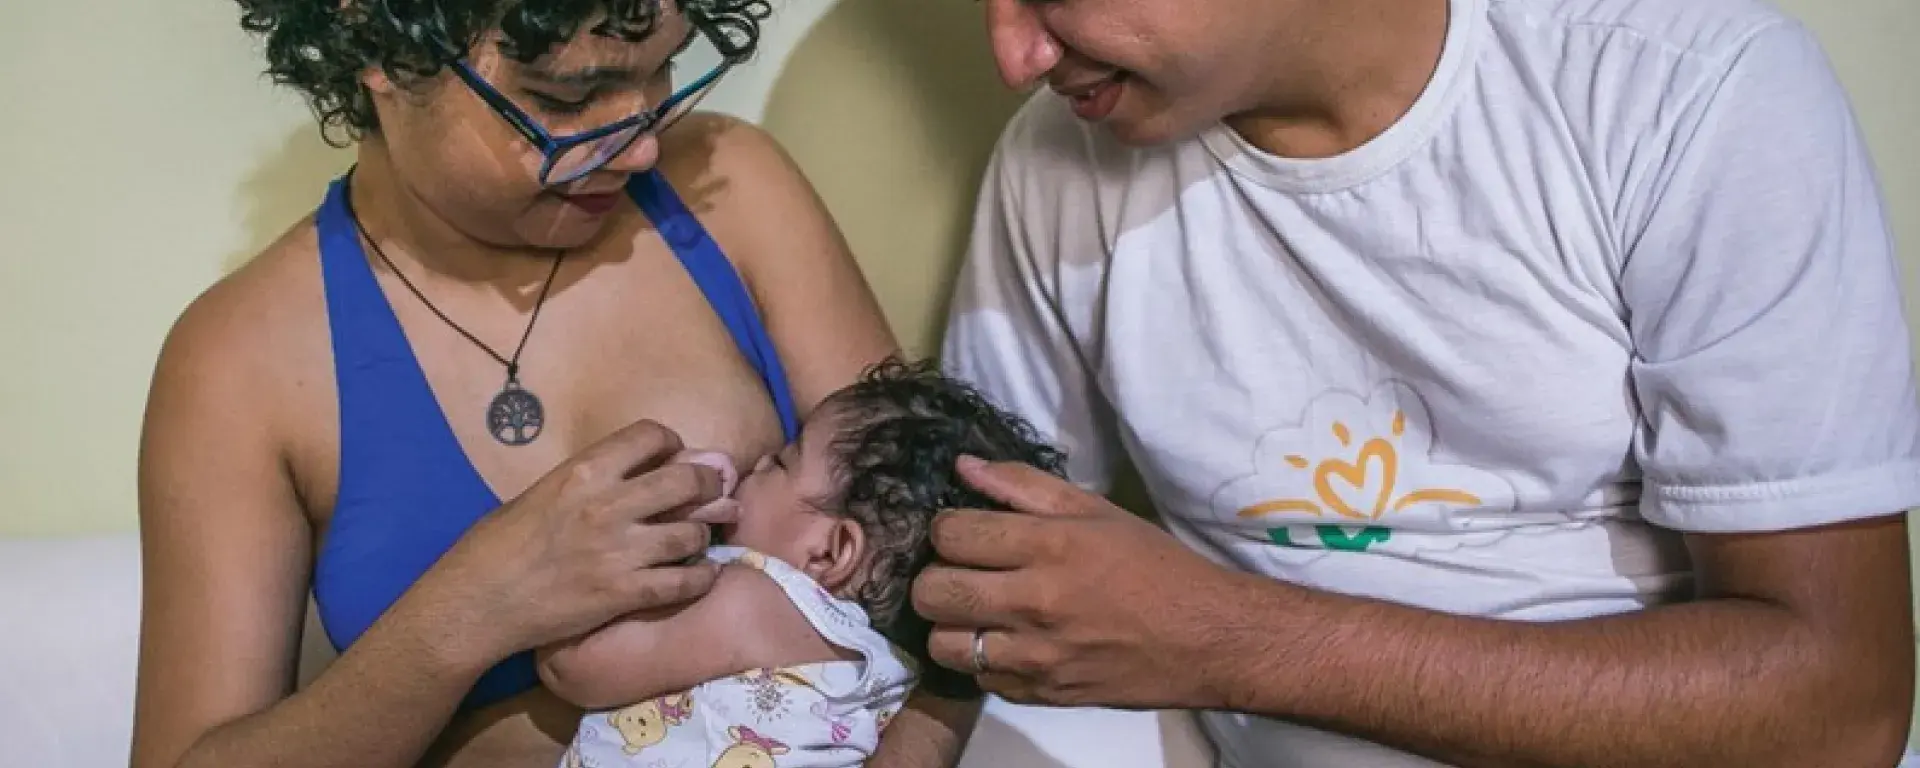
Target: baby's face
775	514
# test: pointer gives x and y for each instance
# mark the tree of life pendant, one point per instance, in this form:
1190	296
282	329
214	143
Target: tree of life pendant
515	415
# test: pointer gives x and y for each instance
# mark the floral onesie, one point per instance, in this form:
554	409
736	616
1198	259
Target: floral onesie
818	715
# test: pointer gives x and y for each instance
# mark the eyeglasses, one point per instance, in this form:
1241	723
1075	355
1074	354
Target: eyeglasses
568	158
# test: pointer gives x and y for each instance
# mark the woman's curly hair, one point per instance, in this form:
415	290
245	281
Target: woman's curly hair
321	47
900	429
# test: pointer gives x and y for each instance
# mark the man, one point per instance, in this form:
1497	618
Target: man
1523	382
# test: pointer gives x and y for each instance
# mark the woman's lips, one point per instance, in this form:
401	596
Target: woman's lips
593	204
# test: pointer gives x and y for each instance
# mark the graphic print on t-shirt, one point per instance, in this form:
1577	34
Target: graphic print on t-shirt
1350	472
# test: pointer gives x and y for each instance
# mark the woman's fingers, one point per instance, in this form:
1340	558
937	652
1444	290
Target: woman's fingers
633	449
670	585
716	512
658	493
643	472
660	544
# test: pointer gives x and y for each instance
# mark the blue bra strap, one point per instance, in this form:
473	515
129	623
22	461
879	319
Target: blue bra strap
715	276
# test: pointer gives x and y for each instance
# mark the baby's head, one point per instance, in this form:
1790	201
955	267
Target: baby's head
852	501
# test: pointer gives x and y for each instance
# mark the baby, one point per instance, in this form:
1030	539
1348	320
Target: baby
808	643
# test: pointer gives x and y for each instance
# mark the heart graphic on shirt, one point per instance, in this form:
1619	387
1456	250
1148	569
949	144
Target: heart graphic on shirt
1377	457
1352	473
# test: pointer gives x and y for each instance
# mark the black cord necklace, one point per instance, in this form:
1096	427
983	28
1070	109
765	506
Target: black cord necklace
515	416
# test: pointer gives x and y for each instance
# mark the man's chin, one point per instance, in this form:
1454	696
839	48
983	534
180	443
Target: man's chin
1153	130
1142	121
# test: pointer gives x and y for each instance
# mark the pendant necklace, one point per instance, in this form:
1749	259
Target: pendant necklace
515	416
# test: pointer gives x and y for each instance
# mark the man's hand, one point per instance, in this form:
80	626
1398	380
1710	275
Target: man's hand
1081	601
1796	651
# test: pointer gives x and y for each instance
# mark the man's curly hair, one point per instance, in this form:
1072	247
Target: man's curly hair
321	47
900	429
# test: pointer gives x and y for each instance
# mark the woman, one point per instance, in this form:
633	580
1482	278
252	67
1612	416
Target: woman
446	402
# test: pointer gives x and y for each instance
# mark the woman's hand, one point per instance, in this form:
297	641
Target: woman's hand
605	533
1083	603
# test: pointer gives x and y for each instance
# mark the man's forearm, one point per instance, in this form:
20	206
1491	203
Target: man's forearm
1719	682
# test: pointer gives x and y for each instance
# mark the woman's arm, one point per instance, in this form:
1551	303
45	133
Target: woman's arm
226	557
225	553
746	622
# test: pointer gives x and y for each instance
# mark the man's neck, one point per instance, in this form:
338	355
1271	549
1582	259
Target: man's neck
418	240
1348	76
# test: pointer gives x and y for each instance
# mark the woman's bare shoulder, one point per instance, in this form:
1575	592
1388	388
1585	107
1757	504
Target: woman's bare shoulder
738	178
256	335
263	307
764	213
708	152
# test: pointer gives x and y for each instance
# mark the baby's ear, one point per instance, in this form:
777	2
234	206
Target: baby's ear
844	557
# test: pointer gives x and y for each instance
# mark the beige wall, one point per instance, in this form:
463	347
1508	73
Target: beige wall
144	155
911	82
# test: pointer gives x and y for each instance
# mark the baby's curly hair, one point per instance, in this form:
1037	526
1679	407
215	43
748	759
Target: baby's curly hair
901	427
321	47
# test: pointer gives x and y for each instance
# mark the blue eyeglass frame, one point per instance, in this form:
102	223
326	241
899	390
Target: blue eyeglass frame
551	147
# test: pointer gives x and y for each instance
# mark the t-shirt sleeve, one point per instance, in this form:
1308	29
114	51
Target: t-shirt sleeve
1007	331
1772	361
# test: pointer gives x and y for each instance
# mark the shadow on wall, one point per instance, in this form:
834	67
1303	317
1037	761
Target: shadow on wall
287	185
892	108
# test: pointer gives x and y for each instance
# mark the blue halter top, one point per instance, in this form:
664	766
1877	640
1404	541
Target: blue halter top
407	491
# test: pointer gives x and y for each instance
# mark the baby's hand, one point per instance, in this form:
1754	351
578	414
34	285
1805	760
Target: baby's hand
722	510
720	462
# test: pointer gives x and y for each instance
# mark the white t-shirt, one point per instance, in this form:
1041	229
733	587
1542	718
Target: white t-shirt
1623	271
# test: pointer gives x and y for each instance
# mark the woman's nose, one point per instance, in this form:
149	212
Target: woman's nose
1023	49
639	157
